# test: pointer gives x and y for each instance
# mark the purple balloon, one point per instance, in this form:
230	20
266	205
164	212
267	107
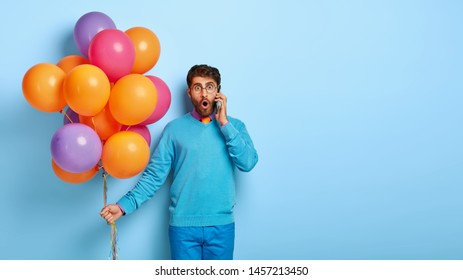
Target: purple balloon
71	117
88	26
76	148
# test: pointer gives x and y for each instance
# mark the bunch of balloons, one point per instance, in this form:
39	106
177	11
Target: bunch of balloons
109	97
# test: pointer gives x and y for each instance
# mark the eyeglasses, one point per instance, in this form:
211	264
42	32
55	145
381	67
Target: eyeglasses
198	88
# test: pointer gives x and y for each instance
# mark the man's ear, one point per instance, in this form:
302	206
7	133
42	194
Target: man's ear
188	92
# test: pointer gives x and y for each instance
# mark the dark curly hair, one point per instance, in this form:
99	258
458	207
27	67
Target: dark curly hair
203	70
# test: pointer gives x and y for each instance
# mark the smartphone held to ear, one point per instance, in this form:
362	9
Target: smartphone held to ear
218	104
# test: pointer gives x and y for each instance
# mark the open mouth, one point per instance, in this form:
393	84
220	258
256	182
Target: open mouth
205	104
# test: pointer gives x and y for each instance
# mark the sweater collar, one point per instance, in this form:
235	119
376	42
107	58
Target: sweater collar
197	116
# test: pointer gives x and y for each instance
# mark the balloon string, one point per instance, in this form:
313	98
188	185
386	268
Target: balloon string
113	238
70	120
105	188
94	125
114	241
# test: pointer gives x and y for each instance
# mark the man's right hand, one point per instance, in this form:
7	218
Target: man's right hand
111	213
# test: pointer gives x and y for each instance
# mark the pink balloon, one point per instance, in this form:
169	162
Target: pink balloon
164	100
140	129
113	52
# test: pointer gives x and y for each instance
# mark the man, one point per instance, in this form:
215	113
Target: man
203	148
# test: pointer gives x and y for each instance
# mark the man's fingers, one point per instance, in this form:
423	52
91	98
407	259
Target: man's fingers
108	217
107	214
104	211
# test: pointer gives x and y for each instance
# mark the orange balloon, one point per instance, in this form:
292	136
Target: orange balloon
73	178
86	89
133	99
103	123
42	87
71	61
125	154
147	48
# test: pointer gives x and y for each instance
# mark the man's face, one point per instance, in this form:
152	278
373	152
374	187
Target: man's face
202	93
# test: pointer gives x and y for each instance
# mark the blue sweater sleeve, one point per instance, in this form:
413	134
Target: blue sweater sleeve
240	146
153	177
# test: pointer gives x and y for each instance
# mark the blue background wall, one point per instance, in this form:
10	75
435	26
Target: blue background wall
355	108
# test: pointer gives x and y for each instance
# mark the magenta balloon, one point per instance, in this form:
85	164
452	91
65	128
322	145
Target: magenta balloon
140	129
113	52
70	117
76	148
88	26
164	100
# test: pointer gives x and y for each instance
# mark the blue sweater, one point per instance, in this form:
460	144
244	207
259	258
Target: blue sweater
203	158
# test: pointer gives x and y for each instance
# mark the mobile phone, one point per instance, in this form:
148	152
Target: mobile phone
218	104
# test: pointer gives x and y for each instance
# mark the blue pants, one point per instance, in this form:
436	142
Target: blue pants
202	243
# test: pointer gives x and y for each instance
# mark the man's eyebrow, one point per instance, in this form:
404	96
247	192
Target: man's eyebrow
208	83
